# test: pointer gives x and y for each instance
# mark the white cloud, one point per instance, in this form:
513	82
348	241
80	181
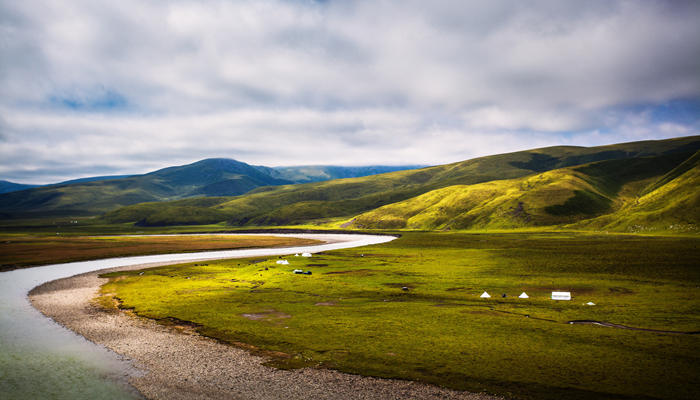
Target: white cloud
342	82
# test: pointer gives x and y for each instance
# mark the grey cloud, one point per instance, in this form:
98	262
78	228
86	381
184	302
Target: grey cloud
286	82
199	55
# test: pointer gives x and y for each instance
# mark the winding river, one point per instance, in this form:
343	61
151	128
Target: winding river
40	359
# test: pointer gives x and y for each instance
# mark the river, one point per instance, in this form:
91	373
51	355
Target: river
40	359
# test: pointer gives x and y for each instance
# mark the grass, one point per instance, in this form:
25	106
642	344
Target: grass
352	314
19	251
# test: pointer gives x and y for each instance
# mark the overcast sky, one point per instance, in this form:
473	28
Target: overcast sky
119	87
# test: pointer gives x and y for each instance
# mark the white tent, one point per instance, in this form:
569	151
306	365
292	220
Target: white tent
283	262
485	295
306	254
590	303
524	295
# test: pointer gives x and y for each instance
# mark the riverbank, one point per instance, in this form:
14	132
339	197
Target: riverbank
176	363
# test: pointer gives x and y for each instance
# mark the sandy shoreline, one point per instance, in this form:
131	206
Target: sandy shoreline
183	365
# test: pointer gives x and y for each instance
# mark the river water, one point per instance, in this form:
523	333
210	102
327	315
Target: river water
40	359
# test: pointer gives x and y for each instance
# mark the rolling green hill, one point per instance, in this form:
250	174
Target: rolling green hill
671	203
506	180
557	197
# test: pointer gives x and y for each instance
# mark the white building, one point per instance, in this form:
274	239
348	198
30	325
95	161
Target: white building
561	295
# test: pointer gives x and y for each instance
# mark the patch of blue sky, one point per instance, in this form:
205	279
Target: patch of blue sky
100	100
681	111
684	111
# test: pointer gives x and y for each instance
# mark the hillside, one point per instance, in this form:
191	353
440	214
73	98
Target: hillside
93	179
557	197
671	203
7	186
344	198
318	173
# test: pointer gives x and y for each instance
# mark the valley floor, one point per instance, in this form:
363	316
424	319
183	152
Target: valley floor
180	364
411	309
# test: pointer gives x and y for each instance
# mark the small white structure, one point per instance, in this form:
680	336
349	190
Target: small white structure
298	271
590	303
306	254
524	295
296	255
561	295
283	262
485	296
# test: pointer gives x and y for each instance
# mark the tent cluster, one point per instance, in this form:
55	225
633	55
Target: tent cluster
486	295
555	296
296	271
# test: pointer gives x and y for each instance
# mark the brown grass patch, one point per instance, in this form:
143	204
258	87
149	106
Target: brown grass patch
20	252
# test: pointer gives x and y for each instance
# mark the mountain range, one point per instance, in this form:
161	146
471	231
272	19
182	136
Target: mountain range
637	186
648	185
205	178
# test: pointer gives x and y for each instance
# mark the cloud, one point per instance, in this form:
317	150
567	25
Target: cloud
137	85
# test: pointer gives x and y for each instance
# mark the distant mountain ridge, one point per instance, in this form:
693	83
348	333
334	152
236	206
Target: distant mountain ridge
205	178
318	173
7	186
90	179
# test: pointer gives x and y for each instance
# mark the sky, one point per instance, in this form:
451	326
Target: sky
92	87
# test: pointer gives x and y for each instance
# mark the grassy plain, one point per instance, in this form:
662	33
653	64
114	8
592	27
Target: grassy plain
19	251
352	313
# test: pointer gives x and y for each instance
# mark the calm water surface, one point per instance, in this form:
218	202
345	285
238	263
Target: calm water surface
40	359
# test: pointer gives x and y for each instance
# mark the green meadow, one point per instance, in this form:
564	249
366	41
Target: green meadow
410	309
